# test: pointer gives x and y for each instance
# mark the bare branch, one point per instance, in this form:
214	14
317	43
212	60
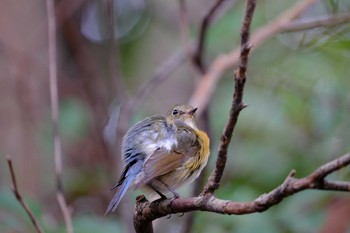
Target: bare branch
204	90
55	113
320	22
315	180
146	212
198	56
20	199
237	104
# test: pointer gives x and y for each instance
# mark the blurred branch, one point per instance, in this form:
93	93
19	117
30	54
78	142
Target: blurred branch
146	212
88	74
20	199
237	104
329	21
184	25
161	74
198	56
205	88
65	9
116	81
55	113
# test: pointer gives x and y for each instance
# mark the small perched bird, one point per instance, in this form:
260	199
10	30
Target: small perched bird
162	153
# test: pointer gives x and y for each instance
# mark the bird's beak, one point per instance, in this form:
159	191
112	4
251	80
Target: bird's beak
192	111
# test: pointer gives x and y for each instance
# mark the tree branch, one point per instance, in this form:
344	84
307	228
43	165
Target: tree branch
146	212
55	113
20	199
198	56
237	104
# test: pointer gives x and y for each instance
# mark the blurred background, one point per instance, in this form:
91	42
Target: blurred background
297	117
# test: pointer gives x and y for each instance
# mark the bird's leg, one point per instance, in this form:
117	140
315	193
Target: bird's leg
162	196
157	183
176	195
182	214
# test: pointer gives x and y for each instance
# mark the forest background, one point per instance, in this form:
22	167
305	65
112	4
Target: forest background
297	93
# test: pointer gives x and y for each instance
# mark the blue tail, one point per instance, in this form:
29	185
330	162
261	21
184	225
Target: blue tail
127	178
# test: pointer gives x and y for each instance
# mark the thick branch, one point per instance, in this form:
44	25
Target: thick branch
55	113
237	104
20	199
146	212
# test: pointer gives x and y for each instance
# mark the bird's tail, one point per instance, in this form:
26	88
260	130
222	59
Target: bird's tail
127	178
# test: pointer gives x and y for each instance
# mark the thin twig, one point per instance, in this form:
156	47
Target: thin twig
328	21
237	104
205	88
55	114
198	54
20	199
146	212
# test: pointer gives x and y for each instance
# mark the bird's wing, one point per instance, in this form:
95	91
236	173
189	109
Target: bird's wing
163	161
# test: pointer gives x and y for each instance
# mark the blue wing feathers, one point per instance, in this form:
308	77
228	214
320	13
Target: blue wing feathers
125	181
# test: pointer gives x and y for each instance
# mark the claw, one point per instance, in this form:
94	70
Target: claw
176	195
182	214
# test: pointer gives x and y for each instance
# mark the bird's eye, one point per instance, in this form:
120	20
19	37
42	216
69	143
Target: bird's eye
175	112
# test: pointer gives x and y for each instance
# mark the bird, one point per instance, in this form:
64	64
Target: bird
161	154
